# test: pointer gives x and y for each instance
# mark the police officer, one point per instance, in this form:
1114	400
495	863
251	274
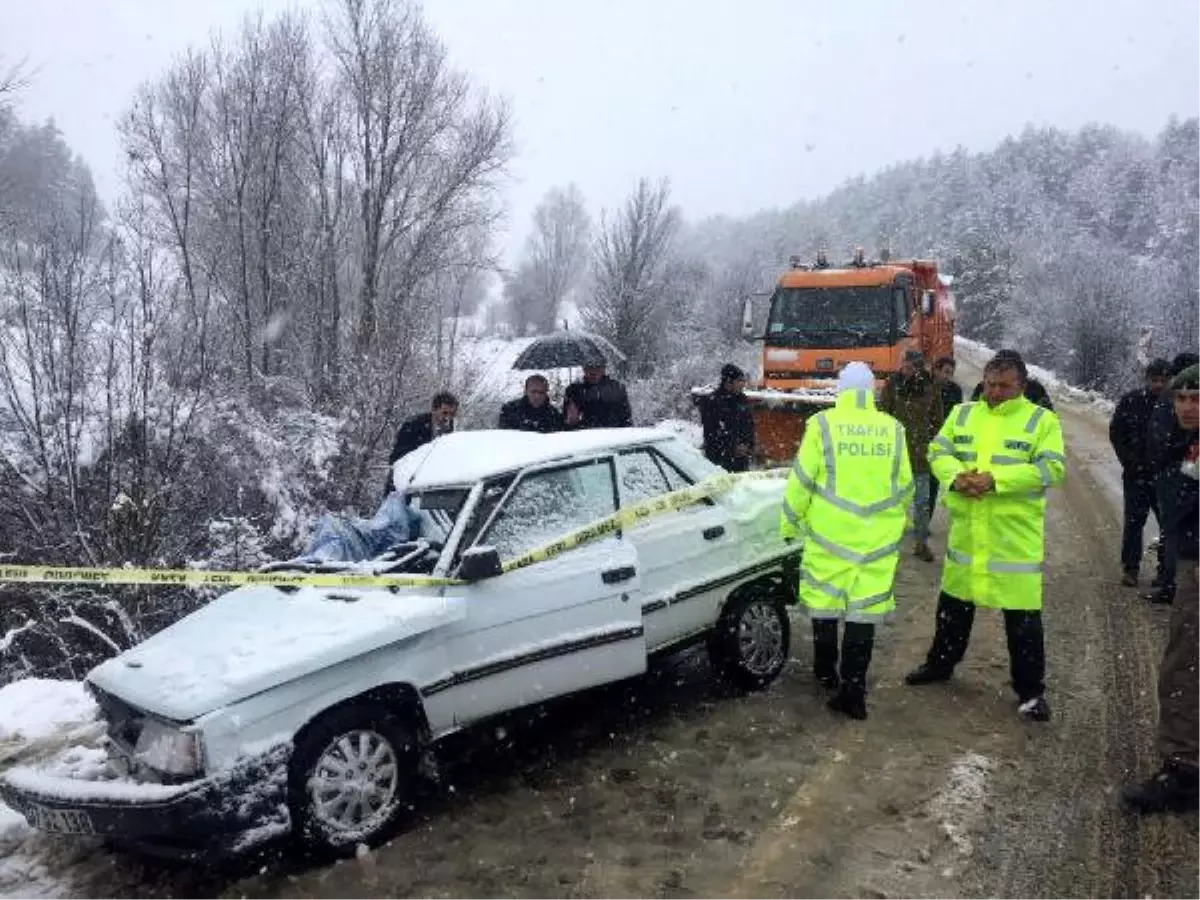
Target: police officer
846	497
998	458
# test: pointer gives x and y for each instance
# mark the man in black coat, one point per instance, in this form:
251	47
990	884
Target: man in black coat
728	426
420	430
1166	443
532	412
598	401
1035	391
1176	785
1128	432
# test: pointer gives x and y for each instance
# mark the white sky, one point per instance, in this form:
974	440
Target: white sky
744	105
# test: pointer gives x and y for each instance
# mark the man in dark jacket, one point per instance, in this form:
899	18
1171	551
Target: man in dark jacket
1165	445
912	398
420	430
952	395
728	426
1035	391
1176	785
532	412
598	401
1128	431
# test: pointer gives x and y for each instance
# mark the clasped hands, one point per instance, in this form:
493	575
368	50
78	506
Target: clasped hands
973	483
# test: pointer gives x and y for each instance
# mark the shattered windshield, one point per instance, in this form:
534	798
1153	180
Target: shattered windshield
830	317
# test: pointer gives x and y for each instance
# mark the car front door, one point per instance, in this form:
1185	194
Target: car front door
680	552
553	627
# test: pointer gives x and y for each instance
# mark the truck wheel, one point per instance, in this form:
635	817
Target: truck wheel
752	640
351	778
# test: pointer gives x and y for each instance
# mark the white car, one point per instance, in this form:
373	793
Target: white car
313	710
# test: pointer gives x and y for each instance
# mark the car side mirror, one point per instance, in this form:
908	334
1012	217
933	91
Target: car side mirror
479	563
748	318
927	303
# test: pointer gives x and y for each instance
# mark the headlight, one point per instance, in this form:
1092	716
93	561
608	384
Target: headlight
168	749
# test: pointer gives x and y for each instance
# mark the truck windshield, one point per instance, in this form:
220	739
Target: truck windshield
831	317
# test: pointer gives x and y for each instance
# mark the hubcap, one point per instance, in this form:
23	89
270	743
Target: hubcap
353	787
760	638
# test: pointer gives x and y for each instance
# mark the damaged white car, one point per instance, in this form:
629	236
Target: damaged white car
314	710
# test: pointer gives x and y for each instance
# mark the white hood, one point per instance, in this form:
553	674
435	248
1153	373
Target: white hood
257	637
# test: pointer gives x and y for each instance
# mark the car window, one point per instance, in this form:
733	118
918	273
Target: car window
641	477
546	505
647	473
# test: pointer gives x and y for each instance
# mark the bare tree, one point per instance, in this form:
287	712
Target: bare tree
426	151
631	282
555	258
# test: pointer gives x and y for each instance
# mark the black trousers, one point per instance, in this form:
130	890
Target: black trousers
1141	498
933	492
1026	650
858	642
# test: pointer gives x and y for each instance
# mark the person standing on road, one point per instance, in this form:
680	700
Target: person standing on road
1128	431
1035	391
533	411
912	397
998	458
1165	444
845	498
952	395
597	401
1176	785
728	426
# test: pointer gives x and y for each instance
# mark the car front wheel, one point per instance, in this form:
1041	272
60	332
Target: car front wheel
752	640
352	778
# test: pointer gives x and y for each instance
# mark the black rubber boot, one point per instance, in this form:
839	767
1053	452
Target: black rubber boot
927	674
825	653
850	703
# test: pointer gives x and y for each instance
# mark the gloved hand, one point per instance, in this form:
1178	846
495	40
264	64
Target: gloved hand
791	572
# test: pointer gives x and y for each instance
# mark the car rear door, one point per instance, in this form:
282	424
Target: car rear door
568	622
681	553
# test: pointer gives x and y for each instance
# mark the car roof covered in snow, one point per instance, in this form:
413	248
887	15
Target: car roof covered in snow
464	457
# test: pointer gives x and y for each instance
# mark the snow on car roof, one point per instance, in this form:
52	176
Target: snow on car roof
464	457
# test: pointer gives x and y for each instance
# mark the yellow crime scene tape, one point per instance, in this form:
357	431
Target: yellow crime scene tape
208	578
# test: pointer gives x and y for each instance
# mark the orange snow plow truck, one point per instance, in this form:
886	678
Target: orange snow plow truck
821	318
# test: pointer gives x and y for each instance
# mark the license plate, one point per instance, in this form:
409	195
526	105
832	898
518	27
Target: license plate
60	821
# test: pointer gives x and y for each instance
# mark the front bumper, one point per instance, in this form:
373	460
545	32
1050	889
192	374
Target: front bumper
226	812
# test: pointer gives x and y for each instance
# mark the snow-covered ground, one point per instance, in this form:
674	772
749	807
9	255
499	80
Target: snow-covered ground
39	715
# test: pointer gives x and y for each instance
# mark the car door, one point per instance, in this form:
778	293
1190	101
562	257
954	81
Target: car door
569	622
680	553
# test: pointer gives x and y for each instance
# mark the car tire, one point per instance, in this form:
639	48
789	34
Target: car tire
351	778
753	637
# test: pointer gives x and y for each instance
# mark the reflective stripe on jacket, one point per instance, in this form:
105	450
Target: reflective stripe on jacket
994	552
847	497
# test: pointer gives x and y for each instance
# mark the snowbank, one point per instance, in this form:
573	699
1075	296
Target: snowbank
35	709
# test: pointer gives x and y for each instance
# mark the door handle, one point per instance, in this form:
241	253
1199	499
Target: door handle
711	534
612	576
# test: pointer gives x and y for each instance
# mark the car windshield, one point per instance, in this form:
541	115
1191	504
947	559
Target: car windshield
830	317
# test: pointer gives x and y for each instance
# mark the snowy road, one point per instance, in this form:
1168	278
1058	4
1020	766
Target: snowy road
669	787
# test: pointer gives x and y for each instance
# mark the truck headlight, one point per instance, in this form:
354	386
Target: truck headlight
169	749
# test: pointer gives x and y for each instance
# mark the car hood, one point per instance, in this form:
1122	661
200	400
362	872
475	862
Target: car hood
257	637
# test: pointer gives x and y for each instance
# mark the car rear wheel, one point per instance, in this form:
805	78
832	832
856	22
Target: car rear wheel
352	778
752	640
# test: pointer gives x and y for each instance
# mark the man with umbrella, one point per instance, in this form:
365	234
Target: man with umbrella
595	402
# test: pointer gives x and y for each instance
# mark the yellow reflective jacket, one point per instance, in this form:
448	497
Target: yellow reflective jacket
994	552
847	497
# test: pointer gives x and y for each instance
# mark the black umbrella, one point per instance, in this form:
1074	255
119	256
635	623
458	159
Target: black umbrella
565	349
